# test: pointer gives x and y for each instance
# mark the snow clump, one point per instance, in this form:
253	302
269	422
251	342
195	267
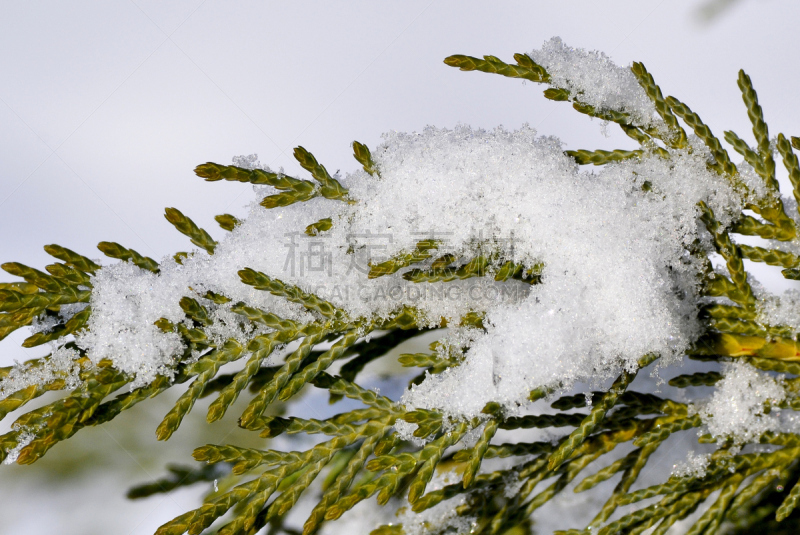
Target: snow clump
737	409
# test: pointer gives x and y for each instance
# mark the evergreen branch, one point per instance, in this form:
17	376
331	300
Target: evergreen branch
357	415
283	503
474	268
637	135
230	393
179	257
260	281
481	481
614	116
737	326
244	459
179	476
773	257
520	449
681	509
302	193
314	229
780	351
195	311
275	425
662	108
527	70
641	515
69	275
510	270
187	227
765	167
429	457
72	258
19	287
338	385
227	221
718	311
213	172
723	161
478	452
64	418
477	267
330	187
755	487
23	396
199	519
423	360
543	421
629	477
791	273
363	456
293	189
409	318
712	518
11	301
751	157
269	393
373	431
322	363
46	282
205	369
285	478
669	426
115	250
288	327
756	117
341	483
195	338
750	226
730	253
421	252
674	486
696	379
602	157
775	365
377	347
593	419
789	504
718	285
567	472
428	421
791	164
364	157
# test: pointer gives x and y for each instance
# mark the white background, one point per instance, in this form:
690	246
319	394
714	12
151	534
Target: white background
106	108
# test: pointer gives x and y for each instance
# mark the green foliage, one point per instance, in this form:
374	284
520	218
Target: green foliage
365	456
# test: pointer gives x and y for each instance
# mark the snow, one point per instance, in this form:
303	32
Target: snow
695	465
781	310
737	409
62	364
618	282
24	438
594	79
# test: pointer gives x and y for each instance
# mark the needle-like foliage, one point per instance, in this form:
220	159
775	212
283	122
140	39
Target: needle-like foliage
363	453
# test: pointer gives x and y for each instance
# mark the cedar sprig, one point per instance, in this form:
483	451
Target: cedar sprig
365	455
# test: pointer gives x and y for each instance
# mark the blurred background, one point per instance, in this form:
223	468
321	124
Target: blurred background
106	108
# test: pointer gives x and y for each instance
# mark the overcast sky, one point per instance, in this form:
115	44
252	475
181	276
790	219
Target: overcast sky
106	107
